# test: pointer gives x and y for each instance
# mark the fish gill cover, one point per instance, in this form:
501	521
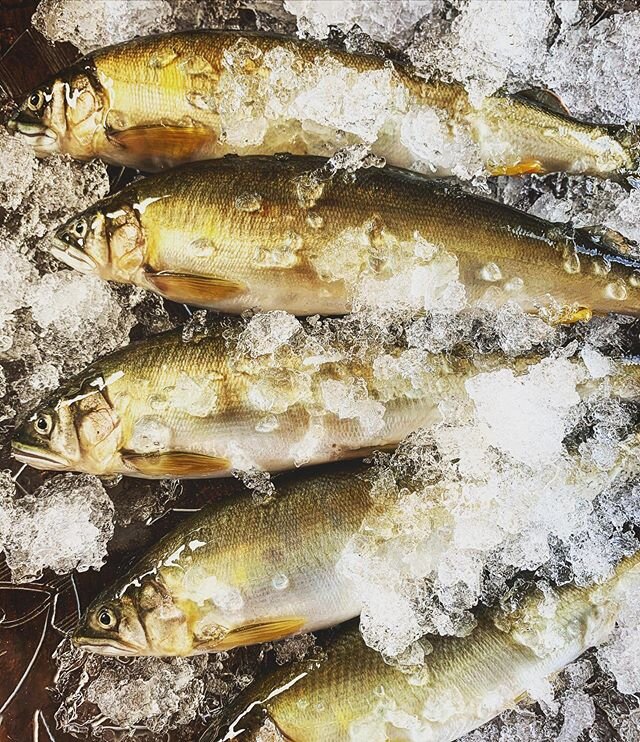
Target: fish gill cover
527	469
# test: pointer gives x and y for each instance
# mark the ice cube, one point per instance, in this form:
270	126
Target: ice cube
101	23
267	332
488	44
390	23
349	400
603	59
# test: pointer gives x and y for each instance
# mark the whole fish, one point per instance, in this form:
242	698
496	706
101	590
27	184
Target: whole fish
161	100
163	407
289	233
350	692
239	573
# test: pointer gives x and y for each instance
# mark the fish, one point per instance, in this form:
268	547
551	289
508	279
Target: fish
350	692
238	573
162	407
158	101
289	233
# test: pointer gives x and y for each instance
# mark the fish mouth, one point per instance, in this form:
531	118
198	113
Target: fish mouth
104	646
72	256
40	137
38	459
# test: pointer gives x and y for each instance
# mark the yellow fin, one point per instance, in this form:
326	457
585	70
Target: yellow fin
522	167
163	143
257	633
190	289
570	316
175	464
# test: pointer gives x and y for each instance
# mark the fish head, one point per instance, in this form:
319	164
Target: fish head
138	617
111	626
76	429
106	240
62	115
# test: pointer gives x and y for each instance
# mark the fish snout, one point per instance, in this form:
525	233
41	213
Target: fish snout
72	255
39	136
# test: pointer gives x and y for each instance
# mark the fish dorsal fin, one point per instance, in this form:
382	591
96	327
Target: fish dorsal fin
161	144
256	633
191	289
545	98
613	241
175	464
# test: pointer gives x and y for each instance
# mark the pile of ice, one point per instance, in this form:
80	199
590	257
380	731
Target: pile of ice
101	23
152	694
498	487
62	318
391	23
488	44
65	525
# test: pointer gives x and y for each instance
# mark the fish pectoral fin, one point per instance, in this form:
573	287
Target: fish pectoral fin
545	98
175	464
522	167
163	142
187	288
257	633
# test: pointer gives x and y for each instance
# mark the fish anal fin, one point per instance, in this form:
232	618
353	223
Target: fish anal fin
522	167
175	464
571	315
163	143
191	289
256	633
545	98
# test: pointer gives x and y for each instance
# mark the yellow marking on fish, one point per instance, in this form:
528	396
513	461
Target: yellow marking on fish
522	167
569	316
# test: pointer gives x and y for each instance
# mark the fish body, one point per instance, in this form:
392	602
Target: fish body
163	407
158	101
351	693
238	572
284	233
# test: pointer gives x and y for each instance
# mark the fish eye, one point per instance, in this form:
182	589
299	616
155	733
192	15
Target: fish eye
36	100
80	228
43	424
106	618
